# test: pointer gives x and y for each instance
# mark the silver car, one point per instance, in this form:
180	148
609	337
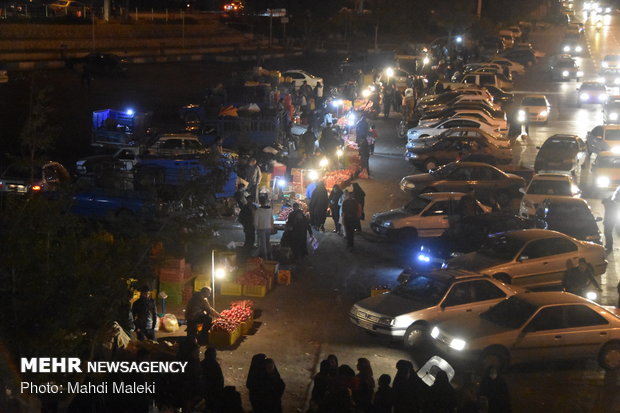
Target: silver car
409	309
531	257
531	327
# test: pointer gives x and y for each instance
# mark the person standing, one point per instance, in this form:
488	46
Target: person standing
306	90
365	388
271	389
360	195
384	397
609	222
372	138
263	222
318	207
246	217
213	379
364	151
144	315
253	175
298	226
404	390
442	396
351	214
495	390
388	97
199	311
361	130
334	207
256	375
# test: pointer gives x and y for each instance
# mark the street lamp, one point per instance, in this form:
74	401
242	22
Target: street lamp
215	273
458	39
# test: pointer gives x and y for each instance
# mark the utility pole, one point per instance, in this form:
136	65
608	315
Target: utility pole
270	27
479	9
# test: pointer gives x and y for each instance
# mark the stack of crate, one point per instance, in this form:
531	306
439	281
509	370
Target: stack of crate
175	278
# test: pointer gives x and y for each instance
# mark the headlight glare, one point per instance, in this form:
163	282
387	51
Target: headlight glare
578	49
602	97
613	116
458	344
579	73
565	73
602	181
435	332
566	48
544	113
584	96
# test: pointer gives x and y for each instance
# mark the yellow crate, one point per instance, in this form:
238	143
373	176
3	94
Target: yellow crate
202	281
378	291
247	325
255	290
230	288
284	277
271	267
223	339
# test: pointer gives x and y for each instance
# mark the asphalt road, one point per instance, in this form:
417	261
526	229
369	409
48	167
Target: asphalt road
301	324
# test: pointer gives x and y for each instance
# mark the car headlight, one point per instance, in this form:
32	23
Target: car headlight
566	48
565	73
521	115
613	116
387	224
544	113
435	332
605	64
457	344
387	321
578	49
591	295
424	258
579	73
412	155
608	10
584	96
602	181
602	97
409	185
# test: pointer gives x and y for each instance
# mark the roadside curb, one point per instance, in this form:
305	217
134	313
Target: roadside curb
198	57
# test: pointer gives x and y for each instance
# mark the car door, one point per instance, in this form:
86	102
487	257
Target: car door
586	331
543	262
470	297
542	337
434	219
458	180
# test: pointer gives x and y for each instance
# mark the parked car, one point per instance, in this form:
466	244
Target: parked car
514	66
15	180
531	257
534	108
606	171
546	186
500	123
426	299
450	149
570	216
487	181
425	216
449	111
496	140
468	235
564	67
439	126
103	64
611	110
524	57
592	92
123	159
298	77
561	153
488	79
173	144
500	96
534	327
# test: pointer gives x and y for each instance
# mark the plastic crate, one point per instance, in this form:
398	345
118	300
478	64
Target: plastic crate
255	290
284	277
247	325
230	288
271	267
224	339
172	288
170	275
202	281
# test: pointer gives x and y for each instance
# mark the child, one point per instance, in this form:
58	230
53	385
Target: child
384	399
372	137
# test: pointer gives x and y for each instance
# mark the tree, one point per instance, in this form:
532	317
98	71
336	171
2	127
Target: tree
38	134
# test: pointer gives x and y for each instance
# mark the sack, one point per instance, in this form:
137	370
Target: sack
170	323
314	243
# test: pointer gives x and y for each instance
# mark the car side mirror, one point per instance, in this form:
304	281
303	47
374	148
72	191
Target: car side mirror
522	190
523	258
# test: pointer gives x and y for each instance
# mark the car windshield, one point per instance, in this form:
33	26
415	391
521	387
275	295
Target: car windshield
423	289
565	63
542	187
417	204
578	210
608	162
534	102
511	313
559	145
503	247
592	86
612	135
444	171
613	58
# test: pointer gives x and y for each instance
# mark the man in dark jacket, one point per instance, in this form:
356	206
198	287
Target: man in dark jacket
609	222
145	315
351	214
199	311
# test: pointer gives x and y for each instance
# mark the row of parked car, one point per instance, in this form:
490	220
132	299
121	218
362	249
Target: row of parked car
483	286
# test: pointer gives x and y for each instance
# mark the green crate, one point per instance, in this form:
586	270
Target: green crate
172	288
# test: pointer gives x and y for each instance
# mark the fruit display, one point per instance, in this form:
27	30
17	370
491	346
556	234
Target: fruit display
231	319
340	177
256	276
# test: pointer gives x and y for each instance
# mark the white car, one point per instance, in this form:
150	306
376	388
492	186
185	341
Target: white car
425	216
500	124
497	140
534	108
462	98
531	257
426	299
546	186
438	127
299	76
515	68
534	327
611	61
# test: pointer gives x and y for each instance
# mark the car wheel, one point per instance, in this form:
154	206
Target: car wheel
415	335
609	357
430	164
503	277
494	357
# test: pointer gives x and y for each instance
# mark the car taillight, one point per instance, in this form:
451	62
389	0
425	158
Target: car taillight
35	188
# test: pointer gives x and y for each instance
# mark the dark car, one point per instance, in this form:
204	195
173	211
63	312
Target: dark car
490	185
15	180
450	149
561	153
500	96
611	110
468	236
571	216
103	64
525	57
